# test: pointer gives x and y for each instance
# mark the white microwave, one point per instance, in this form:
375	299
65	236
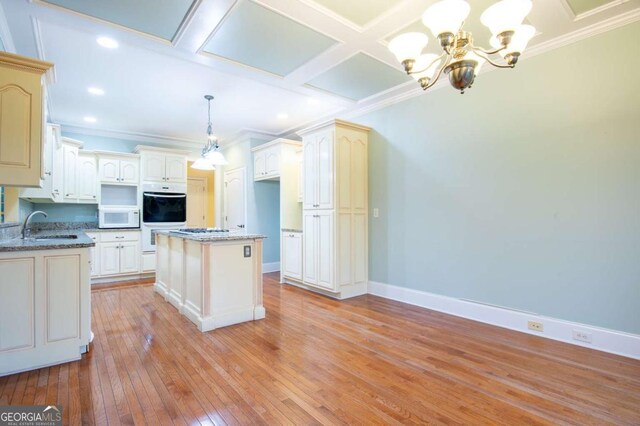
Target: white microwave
118	217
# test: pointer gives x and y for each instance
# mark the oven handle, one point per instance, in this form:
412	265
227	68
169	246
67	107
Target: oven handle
146	194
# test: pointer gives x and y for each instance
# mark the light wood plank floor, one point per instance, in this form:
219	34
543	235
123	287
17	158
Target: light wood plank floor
314	360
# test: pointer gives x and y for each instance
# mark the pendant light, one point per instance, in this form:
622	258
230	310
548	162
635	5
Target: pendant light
211	155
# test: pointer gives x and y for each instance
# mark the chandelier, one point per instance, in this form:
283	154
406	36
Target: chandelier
211	155
461	59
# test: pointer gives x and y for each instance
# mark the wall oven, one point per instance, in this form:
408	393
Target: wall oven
164	206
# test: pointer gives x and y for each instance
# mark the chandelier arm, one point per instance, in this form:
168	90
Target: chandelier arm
486	52
439	58
439	73
495	64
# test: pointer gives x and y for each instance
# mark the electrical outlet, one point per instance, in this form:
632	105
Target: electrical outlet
582	336
535	326
376	212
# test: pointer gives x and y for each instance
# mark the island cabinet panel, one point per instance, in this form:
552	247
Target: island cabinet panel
62	287
16	304
228	265
176	270
162	264
193	263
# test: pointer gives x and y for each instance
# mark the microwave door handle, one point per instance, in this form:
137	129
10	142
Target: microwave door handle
165	196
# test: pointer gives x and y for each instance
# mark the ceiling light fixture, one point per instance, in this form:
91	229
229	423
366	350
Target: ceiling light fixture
107	42
90	119
95	91
461	59
211	155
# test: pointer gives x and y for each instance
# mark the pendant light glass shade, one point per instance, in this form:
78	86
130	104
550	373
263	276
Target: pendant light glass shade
479	59
216	158
202	164
424	61
446	16
408	46
506	15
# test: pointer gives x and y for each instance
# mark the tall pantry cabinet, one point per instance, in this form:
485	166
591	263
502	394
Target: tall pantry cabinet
335	209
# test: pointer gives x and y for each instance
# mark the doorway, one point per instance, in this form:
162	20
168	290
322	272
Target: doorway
235	199
197	202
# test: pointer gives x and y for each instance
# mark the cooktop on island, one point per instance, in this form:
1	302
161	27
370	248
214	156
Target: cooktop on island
200	230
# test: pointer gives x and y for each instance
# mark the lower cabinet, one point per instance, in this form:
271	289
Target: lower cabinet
45	308
292	255
318	249
115	253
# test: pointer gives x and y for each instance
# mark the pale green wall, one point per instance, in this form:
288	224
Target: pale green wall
524	192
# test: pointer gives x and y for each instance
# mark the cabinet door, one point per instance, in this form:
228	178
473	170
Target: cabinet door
109	170
21	127
325	171
176	168
272	161
325	250
154	167
62	290
70	165
259	164
292	254
129	172
310	174
17	314
310	249
129	258
87	178
300	176
94	255
57	185
109	258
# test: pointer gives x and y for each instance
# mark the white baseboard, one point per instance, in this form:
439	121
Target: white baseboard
270	267
616	342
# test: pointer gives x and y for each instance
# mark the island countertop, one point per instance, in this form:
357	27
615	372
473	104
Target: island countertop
211	237
77	239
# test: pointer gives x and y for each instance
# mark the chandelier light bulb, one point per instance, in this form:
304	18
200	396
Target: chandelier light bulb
422	62
506	15
408	46
446	16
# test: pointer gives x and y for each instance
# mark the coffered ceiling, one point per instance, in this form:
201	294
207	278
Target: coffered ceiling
274	66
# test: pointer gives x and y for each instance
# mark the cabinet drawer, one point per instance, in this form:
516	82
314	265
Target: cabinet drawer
114	237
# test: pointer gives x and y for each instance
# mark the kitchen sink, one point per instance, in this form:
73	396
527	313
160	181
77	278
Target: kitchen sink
55	237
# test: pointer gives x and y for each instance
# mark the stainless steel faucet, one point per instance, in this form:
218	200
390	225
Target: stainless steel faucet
25	227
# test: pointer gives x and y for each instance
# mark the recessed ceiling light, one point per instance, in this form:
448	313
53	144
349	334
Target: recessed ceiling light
283	116
95	91
107	42
90	119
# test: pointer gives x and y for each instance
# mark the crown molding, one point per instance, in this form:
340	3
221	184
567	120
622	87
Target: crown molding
169	141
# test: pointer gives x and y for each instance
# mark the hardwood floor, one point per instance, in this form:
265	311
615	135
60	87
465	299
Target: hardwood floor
314	360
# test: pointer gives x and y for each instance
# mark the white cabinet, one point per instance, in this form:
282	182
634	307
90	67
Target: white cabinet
300	164
70	162
335	214
86	177
291	255
94	255
163	165
52	182
318	176
116	253
123	170
267	160
21	120
45	308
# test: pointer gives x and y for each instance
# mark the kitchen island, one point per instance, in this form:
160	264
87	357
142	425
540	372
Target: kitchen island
212	278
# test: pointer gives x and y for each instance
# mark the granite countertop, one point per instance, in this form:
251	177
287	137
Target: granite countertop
32	243
214	236
291	230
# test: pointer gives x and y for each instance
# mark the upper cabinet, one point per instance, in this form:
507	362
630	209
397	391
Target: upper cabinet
318	173
269	158
163	165
80	173
21	120
119	169
52	182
